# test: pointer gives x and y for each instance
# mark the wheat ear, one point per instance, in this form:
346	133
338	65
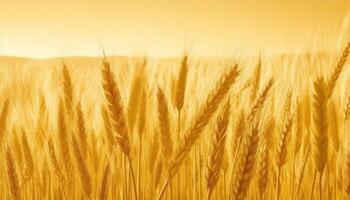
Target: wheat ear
179	98
338	69
117	116
63	137
181	83
154	152
42	122
105	183
282	151
67	89
82	131
320	137
347	107
17	148
134	96
333	126
164	126
27	156
82	167
53	158
260	100
200	122
218	149
115	107
255	81
3	120
12	176
244	170
108	128
263	169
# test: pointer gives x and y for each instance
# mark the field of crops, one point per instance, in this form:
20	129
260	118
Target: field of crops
265	127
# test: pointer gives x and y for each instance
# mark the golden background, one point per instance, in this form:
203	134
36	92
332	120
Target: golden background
41	28
268	122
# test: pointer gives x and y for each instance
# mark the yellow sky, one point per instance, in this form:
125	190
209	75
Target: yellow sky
44	28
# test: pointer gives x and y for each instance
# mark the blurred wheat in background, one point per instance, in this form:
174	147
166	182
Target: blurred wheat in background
266	127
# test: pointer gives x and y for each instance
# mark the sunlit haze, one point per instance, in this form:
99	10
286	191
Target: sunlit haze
41	28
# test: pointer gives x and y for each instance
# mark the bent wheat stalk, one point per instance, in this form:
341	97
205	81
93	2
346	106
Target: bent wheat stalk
338	69
260	100
217	155
244	170
200	122
116	111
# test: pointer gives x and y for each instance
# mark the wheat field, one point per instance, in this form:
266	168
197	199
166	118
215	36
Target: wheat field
179	128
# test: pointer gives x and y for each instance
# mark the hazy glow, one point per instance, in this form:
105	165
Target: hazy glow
42	28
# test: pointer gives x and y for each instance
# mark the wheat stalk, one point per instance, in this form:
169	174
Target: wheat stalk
347	107
179	99
260	100
141	120
42	122
269	133
205	114
164	126
115	107
55	164
154	152
297	139
3	120
244	170
12	176
320	137
82	131
27	156
142	115
82	167
200	122
263	169
181	84
116	110
134	97
63	137
282	150
108	128
67	89
347	172
338	69
333	126
255	81
53	158
105	183
17	148
217	154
